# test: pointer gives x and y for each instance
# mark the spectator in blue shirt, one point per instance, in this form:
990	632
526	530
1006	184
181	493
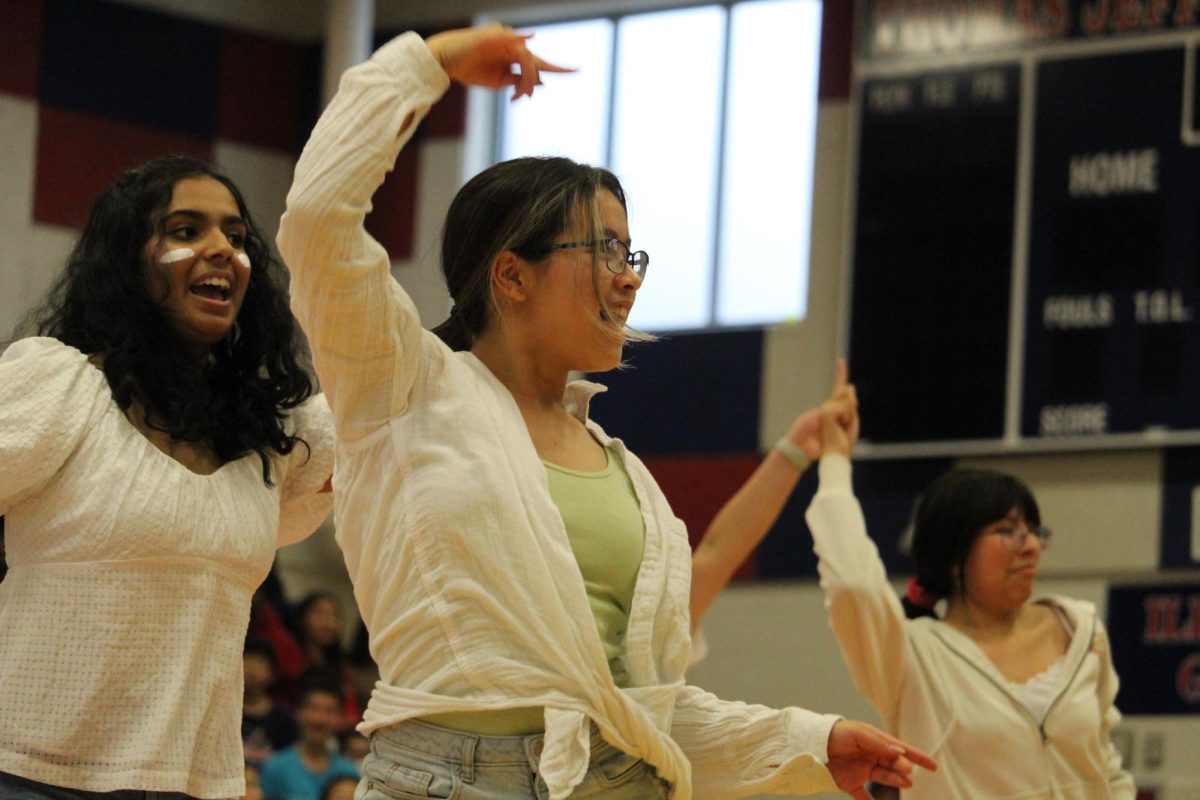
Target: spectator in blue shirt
302	771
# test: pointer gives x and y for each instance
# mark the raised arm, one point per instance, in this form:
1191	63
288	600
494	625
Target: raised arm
747	517
864	611
364	331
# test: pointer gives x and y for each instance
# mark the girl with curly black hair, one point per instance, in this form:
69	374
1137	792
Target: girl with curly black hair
159	438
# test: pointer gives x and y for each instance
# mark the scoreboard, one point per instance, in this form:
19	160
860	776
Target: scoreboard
1024	238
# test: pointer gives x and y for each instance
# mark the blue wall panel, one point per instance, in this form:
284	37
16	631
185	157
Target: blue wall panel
1181	477
686	394
130	65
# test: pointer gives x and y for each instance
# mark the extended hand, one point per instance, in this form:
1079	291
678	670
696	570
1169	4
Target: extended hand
841	408
486	56
859	752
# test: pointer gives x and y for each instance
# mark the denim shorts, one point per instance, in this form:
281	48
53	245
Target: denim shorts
417	760
16	788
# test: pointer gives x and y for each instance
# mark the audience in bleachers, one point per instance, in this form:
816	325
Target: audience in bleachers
269	612
300	708
267	727
302	771
317	628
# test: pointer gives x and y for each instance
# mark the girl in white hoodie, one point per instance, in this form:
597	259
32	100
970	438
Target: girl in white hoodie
1011	692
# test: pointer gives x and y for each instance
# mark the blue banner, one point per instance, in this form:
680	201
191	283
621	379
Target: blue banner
1155	632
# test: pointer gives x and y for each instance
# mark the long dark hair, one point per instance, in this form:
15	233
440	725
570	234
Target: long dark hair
236	398
518	205
332	653
948	519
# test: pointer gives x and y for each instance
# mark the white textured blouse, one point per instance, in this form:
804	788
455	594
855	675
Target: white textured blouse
125	608
461	563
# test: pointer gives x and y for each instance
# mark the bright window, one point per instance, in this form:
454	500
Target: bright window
708	116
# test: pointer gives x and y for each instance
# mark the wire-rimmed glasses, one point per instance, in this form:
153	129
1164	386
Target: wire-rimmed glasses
615	254
1014	535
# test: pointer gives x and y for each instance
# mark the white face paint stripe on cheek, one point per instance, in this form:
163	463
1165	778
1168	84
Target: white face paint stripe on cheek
179	254
244	260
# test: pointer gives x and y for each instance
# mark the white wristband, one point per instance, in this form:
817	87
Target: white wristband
792	452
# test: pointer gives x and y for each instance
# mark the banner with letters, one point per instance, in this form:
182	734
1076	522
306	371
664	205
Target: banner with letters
1155	633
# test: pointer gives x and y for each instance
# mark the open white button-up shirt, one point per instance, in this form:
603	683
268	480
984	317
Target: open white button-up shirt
460	561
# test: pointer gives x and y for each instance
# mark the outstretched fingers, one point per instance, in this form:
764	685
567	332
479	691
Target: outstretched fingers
492	56
834	435
531	70
527	74
859	752
545	66
905	756
916	757
841	375
844	398
893	772
842	387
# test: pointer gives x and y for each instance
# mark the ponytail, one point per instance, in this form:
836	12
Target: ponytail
919	601
455	332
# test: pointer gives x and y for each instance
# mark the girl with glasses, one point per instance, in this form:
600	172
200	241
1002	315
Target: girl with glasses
1012	692
523	580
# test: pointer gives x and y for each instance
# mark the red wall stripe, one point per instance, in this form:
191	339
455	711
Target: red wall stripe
837	38
392	220
79	154
448	117
260	91
697	487
21	23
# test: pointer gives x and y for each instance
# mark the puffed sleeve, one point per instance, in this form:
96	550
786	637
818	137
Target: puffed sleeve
50	397
302	504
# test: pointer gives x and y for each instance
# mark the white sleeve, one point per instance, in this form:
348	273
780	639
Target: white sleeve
302	504
1120	782
49	396
864	612
738	750
364	331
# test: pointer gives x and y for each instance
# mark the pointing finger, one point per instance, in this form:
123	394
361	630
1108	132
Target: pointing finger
842	376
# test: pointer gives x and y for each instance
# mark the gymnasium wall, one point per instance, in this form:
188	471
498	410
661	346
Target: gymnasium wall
89	87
